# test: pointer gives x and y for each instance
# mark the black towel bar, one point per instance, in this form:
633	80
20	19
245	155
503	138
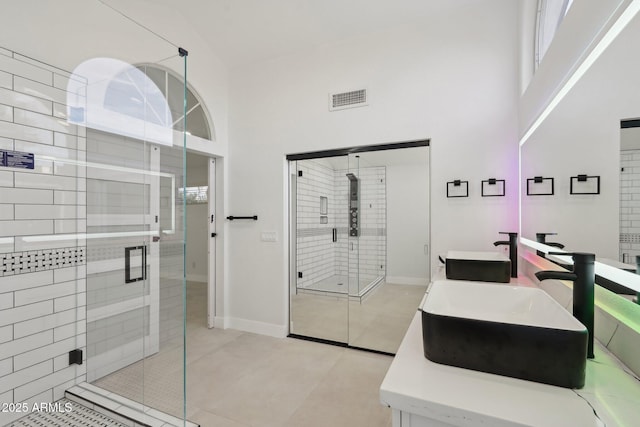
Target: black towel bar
231	218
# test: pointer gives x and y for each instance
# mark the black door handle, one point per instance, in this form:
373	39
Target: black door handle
127	264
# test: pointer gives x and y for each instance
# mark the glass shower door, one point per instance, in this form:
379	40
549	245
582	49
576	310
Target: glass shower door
135	238
319	288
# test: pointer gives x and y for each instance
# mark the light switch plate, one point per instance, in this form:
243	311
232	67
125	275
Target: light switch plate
269	236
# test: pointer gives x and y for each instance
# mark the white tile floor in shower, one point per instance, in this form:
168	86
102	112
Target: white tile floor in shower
239	379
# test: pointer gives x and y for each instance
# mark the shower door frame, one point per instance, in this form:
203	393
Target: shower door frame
291	283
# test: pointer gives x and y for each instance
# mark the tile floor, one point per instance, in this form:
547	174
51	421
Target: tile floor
378	322
239	379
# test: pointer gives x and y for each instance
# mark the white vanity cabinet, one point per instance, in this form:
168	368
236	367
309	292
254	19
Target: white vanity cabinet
407	419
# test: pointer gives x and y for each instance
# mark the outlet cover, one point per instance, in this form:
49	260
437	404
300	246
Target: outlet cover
269	236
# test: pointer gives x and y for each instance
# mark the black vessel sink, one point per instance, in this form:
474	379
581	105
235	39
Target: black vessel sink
514	331
478	266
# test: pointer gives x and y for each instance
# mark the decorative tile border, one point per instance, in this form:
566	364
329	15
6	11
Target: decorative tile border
13	263
312	232
629	237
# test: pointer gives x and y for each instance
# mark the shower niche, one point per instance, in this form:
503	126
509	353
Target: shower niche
338	266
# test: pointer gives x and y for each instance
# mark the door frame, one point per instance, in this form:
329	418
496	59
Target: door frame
211	245
290	271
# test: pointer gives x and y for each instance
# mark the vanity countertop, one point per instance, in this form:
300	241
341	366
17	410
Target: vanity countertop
462	397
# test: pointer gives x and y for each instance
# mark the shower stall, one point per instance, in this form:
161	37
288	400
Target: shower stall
340	216
92	230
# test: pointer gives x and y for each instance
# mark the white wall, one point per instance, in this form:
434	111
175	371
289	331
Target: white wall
451	80
582	28
66	32
407	223
528	18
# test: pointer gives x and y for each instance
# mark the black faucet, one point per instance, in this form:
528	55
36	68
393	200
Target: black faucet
583	278
542	238
513	250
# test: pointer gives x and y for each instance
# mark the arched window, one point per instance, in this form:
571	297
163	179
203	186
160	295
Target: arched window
550	15
143	101
172	88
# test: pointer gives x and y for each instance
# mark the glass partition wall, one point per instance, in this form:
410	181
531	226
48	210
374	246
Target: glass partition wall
95	195
136	239
347	285
322	247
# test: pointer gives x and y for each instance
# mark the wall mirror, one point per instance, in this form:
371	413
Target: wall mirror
357	278
582	136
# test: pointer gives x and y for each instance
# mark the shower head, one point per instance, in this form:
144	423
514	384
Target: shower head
352	177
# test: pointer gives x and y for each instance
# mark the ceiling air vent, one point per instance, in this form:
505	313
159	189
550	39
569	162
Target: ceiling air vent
351	99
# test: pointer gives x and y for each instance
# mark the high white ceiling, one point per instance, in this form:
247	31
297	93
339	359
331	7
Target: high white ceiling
246	31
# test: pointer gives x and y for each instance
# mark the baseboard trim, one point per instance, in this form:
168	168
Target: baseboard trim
262	328
404	280
197	278
219	322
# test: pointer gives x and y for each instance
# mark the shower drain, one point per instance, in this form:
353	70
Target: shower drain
79	416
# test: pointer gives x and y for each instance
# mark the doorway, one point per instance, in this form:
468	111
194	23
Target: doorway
200	249
359	240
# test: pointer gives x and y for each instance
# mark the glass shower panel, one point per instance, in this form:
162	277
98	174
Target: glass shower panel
135	228
135	278
393	204
101	201
320	244
354	218
357	222
372	222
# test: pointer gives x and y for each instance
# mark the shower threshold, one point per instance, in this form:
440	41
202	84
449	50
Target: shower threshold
87	405
338	286
67	413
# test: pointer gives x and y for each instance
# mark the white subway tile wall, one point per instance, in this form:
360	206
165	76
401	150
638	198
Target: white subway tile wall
629	205
42	283
318	257
315	246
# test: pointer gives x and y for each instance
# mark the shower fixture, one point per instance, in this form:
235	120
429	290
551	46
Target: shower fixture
353	205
